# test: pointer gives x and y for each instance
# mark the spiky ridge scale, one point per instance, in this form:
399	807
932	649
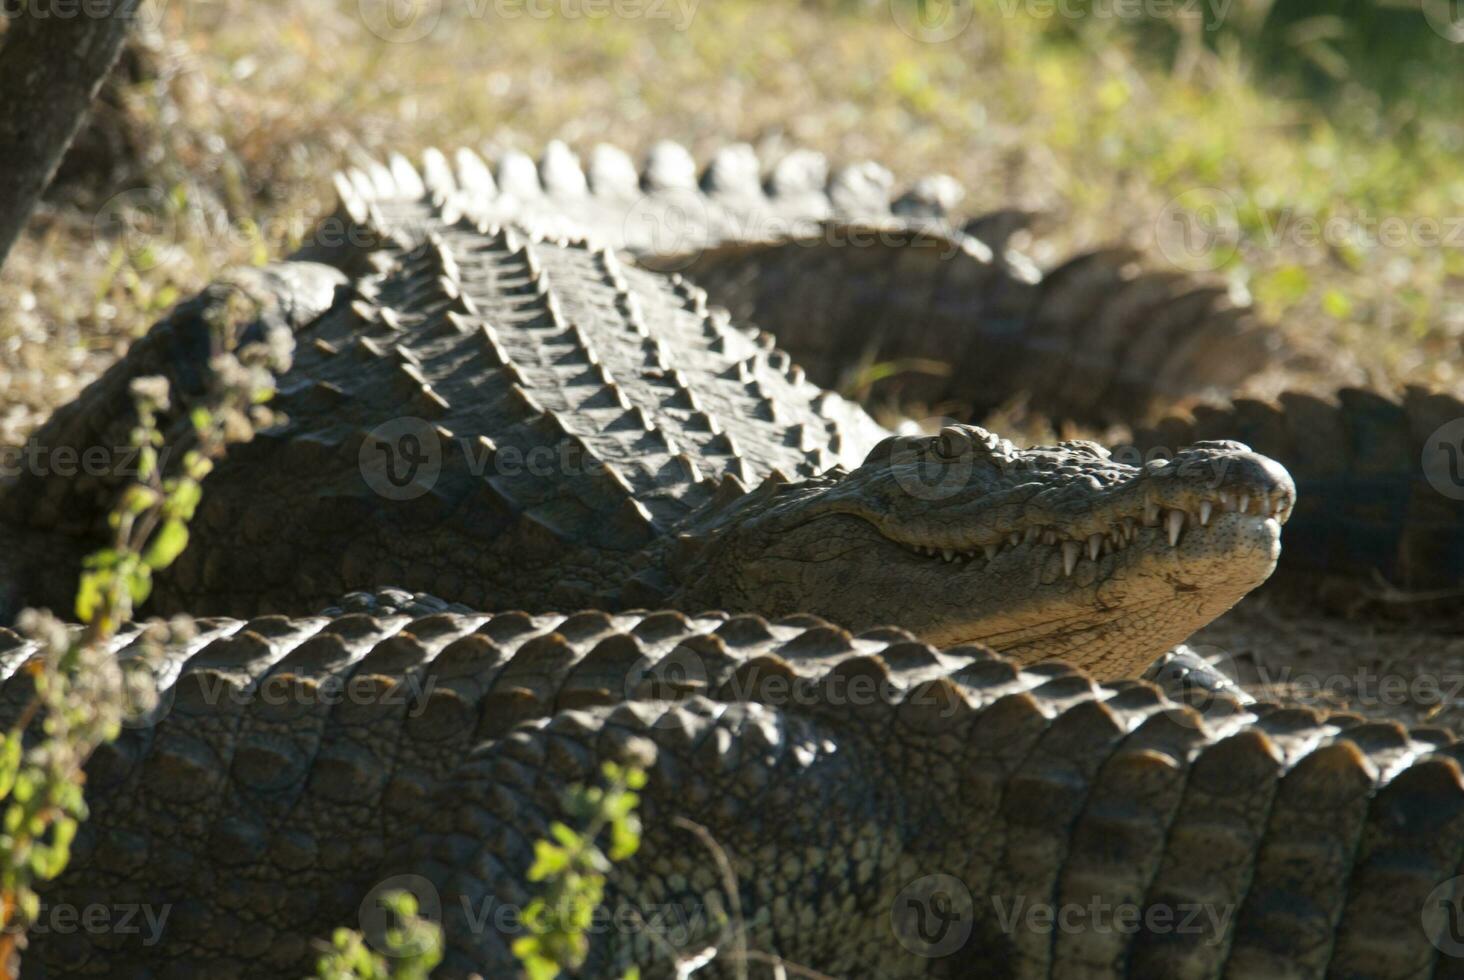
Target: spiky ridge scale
297	764
836	263
570	412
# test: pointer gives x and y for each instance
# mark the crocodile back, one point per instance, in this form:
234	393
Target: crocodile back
505	421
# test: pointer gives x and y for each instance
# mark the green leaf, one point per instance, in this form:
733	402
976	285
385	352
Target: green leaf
102	559
30	905
1283	286
536	966
1337	304
139	583
138	499
568	837
9	763
548	860
197	466
89	594
624	839
166	545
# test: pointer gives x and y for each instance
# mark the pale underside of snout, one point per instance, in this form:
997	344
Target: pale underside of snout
1112	608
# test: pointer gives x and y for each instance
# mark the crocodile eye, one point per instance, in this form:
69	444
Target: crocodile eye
1224	445
953	442
1085	446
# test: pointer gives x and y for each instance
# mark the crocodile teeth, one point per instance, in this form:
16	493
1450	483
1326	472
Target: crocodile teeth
1095	545
990	550
1049	536
1174	523
1205	508
1151	514
1013	538
1244	503
1070	552
948	554
1227	502
1034	533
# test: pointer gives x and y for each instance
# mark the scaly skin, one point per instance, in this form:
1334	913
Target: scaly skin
53	508
299	768
585	432
847	274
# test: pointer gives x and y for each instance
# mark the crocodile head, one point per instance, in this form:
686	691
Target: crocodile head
1046	552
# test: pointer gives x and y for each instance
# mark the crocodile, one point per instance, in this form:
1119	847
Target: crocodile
512	421
837	261
786	252
885	809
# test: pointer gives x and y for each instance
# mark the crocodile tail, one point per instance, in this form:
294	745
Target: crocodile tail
884	292
1377	490
59	488
1096	340
1111	341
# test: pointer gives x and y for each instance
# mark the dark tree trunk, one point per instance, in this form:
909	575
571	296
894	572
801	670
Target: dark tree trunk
53	57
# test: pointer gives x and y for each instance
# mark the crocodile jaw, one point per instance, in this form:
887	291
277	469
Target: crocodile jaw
1055	552
1115	615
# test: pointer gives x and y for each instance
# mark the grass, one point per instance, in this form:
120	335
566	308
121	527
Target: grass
268	97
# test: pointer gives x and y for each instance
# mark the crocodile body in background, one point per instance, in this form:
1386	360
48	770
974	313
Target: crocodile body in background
297	769
846	273
1362	463
515	423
